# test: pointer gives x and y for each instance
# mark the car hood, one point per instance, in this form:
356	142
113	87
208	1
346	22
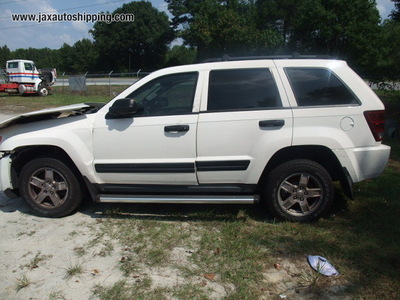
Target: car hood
52	113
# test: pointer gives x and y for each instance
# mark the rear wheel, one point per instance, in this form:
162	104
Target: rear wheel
299	190
50	187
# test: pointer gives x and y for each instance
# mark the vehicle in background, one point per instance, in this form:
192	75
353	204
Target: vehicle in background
22	77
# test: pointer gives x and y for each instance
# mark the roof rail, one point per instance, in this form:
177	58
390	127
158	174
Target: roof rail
226	57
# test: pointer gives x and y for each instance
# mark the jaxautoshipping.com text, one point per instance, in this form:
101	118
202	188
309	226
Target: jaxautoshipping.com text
75	17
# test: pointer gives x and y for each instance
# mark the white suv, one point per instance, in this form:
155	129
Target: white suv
278	131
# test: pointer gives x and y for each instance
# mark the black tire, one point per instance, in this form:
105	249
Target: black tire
50	187
299	190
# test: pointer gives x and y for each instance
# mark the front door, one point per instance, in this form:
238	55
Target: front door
158	144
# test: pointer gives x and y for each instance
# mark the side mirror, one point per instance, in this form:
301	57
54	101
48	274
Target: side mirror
122	108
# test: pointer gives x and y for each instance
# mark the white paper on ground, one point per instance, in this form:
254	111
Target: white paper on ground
322	265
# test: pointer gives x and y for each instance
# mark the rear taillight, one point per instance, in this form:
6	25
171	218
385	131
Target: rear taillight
376	122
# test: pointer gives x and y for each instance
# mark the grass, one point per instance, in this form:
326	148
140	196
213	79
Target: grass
60	96
22	282
226	251
34	262
74	270
79	251
122	290
361	240
107	249
237	245
56	296
146	241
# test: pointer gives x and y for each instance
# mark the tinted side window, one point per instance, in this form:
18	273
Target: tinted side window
28	67
13	65
315	87
242	89
166	95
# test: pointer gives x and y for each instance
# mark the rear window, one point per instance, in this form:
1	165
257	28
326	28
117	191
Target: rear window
316	87
242	89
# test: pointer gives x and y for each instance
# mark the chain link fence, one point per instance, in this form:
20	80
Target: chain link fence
87	84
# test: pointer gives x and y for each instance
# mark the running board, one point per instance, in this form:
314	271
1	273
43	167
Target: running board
185	199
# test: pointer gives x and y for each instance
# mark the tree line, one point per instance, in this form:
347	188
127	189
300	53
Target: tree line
351	30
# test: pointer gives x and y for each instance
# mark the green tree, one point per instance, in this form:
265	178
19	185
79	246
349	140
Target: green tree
66	59
180	55
85	56
5	54
221	27
280	15
388	67
139	44
389	63
79	58
344	29
43	58
396	13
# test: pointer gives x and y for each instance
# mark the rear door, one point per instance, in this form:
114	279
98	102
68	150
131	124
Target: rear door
244	119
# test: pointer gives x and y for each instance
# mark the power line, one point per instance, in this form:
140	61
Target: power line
33	25
12	2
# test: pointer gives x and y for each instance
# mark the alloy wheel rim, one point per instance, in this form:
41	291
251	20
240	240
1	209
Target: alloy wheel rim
300	194
48	188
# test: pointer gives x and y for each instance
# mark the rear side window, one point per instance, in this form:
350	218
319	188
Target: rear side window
242	89
316	87
13	65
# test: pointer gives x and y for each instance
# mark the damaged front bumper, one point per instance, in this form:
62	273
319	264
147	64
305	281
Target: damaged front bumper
5	175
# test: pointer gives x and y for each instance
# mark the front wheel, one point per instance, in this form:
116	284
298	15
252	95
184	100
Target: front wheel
42	90
299	190
50	187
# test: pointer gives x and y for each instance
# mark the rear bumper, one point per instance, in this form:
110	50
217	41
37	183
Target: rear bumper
364	163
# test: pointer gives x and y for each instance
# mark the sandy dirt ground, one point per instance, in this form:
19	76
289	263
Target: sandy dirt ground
37	254
41	251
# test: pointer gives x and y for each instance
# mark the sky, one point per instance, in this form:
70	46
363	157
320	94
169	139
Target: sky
19	34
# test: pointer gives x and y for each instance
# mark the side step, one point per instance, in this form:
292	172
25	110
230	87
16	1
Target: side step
185	199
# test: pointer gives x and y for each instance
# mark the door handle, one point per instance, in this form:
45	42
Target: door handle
271	123
176	128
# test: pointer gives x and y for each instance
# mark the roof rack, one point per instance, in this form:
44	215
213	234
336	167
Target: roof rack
226	57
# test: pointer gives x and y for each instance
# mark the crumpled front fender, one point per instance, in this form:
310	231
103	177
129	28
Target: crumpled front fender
5	173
